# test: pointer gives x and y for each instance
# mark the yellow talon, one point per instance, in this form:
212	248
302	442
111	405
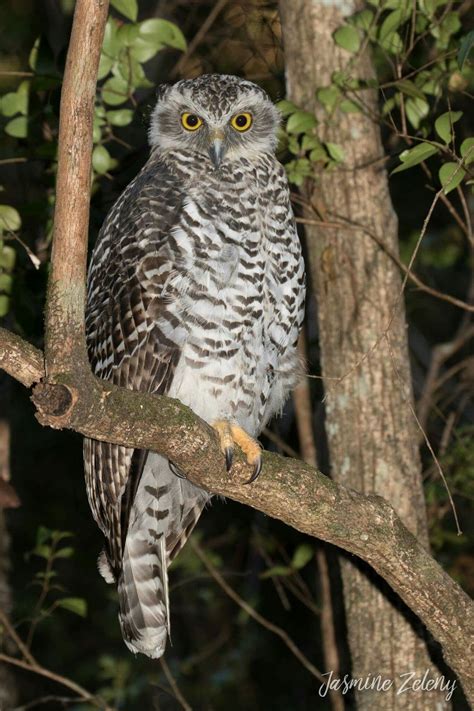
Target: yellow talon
230	434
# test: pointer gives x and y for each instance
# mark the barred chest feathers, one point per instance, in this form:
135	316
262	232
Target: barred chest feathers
235	295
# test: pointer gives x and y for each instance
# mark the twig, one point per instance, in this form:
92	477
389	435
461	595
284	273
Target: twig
64	681
255	615
12	633
172	682
425	436
8	161
199	36
411	275
19	359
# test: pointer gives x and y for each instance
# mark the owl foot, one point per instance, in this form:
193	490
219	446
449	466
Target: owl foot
229	435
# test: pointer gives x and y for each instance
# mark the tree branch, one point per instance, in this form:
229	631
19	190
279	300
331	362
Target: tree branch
65	334
287	489
19	359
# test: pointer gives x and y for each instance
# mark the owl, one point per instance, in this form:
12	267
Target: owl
196	291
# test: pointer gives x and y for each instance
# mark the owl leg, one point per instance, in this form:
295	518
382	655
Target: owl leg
230	434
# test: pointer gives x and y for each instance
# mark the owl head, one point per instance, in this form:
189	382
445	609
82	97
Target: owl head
217	115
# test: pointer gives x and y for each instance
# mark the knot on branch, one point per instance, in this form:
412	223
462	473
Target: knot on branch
54	402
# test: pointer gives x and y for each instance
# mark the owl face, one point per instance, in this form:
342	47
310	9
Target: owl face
218	115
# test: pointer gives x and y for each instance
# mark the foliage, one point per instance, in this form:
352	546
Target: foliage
411	89
127	47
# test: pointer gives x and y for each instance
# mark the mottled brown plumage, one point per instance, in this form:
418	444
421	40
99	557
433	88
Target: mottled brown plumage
196	290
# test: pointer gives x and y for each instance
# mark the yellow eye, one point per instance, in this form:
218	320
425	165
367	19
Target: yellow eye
241	122
191	122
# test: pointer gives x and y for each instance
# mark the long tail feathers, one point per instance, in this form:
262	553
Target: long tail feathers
164	512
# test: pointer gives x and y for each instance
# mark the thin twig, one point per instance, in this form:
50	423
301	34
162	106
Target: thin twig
255	615
172	682
425	436
12	633
64	681
199	36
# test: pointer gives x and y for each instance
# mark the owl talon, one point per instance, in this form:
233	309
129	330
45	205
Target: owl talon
256	471
229	457
230	434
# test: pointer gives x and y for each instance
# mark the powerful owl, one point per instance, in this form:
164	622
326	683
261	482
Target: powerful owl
195	291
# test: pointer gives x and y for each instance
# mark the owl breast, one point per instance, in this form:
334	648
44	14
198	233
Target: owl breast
232	320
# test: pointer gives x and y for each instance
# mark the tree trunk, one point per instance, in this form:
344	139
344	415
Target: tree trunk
371	431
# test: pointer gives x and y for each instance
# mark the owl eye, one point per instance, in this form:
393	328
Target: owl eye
241	122
191	122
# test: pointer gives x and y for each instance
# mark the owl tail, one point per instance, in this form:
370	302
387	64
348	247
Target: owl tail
165	510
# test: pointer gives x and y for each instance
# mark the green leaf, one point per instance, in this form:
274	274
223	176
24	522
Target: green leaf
300	122
348	38
121	117
335	151
444	124
111	45
100	160
17	127
450	175
128	8
414	156
159	33
105	65
42	535
467	150
318	154
42	551
6	282
362	19
465	47
391	23
127	35
350	107
9	219
66	552
10	104
309	143
143	51
277	571
416	110
34	54
410	89
7	257
328	96
115	91
74	604
393	43
302	555
286	107
4	305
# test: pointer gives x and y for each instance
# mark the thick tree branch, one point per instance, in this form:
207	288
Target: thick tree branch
19	359
65	340
289	490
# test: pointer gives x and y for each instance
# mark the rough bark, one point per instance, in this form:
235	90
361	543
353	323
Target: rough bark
370	428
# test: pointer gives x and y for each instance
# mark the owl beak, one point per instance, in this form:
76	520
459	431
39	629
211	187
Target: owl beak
216	148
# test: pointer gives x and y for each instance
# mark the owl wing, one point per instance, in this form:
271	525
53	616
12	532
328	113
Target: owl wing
130	266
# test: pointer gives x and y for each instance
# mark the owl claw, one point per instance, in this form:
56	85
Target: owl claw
229	434
256	471
229	457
